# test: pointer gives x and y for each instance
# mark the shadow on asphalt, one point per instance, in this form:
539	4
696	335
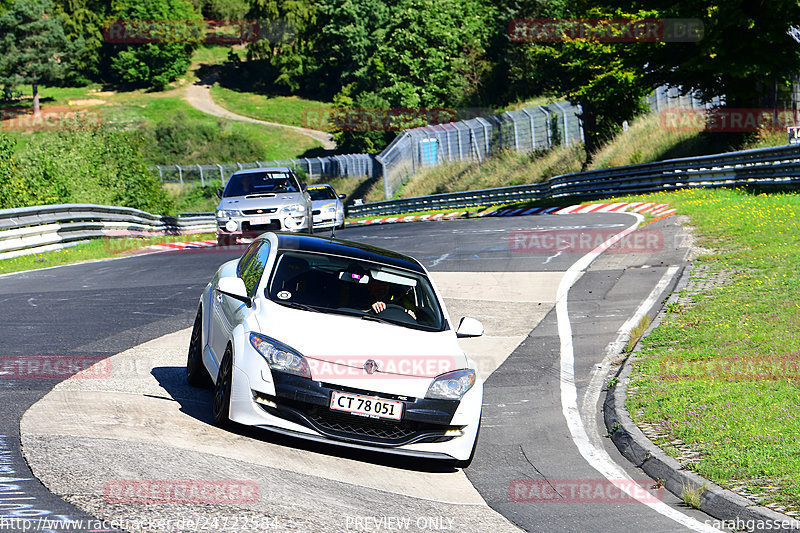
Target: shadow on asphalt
197	403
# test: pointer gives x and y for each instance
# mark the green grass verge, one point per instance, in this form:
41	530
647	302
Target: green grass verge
290	110
721	376
92	250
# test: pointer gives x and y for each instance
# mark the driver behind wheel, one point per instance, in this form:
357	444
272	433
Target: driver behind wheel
382	293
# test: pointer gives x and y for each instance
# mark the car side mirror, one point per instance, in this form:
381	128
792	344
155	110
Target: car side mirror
342	196
469	327
234	287
219	193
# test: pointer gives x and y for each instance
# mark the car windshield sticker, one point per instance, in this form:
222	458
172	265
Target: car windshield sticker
284	295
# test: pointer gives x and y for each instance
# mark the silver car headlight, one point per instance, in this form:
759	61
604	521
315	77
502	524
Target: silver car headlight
452	385
279	356
330	210
228	213
295	210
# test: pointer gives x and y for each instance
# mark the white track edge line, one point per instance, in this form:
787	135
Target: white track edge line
598	458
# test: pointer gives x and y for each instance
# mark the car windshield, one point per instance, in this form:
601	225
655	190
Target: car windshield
321	193
357	288
267	182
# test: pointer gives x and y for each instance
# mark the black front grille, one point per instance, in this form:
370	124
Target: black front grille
363	426
316	212
344	426
259	211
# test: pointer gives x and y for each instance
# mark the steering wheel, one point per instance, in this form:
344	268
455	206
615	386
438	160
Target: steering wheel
395	312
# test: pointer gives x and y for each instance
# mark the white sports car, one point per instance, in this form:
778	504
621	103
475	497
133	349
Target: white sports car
335	341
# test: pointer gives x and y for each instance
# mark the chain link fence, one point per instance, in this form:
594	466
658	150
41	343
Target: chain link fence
666	97
316	168
525	130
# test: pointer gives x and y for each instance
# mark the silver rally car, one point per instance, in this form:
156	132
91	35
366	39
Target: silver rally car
262	199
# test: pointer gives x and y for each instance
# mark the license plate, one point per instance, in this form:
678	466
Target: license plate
366	406
257	221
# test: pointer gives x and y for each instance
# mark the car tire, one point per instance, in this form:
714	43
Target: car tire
465	463
196	373
222	390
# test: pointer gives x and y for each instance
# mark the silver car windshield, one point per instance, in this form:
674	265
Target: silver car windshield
267	182
340	285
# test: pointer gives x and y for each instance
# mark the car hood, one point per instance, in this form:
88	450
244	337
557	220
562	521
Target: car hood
322	204
244	202
337	348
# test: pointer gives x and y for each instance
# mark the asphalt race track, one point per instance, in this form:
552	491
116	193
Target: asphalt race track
541	465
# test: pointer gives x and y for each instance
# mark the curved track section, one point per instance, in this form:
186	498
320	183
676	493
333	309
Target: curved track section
135	419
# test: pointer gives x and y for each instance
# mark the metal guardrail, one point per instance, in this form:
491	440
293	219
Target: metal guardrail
779	165
37	229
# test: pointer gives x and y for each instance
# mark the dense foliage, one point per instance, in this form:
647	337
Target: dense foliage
81	165
155	64
178	139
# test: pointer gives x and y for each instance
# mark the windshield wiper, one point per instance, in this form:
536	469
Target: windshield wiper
296	305
383	320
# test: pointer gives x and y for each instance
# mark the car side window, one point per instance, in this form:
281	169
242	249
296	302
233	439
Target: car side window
254	268
247	256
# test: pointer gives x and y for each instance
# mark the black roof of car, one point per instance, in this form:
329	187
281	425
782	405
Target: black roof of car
356	250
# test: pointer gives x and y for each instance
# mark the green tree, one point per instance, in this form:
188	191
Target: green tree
349	34
35	49
428	54
155	64
743	52
83	21
288	44
604	77
224	9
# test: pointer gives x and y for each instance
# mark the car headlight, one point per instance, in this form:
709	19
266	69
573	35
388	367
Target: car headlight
296	210
279	356
228	213
330	210
452	385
